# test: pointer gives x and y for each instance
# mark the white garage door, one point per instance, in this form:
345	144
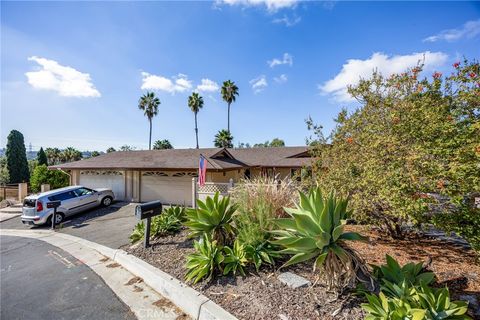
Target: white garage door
104	179
169	188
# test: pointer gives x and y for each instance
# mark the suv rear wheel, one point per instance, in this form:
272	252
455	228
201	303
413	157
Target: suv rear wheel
58	219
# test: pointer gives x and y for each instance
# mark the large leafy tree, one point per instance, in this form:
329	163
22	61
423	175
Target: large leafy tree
111	149
42	157
149	103
162	144
223	139
195	102
410	151
4	178
229	94
17	164
55	178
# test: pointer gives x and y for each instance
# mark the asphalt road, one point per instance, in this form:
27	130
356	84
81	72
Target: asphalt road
110	226
40	281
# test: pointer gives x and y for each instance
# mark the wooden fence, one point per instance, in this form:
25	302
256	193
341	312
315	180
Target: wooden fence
9	192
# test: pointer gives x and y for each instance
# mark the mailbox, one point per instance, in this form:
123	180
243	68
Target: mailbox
148	210
54	204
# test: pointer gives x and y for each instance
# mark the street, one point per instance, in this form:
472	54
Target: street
40	281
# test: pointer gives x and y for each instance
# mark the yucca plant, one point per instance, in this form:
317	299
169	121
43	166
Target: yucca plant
235	259
205	260
383	308
138	232
213	217
412	273
437	304
315	229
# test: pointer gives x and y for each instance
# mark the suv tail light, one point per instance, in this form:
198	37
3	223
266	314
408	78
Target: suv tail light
39	206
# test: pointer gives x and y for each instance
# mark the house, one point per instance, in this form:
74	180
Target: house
169	175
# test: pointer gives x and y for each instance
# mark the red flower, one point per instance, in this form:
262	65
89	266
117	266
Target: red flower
437	75
456	64
349	140
440	184
472	75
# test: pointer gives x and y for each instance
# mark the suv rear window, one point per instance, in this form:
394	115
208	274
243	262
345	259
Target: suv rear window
29	203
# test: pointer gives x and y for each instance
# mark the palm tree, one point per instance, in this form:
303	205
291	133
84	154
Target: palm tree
162	144
229	91
195	102
149	104
223	139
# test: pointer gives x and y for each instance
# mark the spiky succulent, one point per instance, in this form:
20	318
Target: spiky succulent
205	260
315	230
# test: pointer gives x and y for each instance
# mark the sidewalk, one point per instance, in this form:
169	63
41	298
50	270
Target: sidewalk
8	213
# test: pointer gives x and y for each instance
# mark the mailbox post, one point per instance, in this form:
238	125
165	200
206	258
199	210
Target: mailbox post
145	212
54	205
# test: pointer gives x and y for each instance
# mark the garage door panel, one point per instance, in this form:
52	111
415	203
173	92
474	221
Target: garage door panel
169	190
112	180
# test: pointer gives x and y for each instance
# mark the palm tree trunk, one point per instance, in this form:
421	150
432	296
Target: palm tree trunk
228	124
150	136
196	129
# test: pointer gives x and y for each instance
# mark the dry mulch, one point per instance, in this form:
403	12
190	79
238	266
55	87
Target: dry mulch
262	296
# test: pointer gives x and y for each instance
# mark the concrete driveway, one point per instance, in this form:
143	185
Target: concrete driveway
110	226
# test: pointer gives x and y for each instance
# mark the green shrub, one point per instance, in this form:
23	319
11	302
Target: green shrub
465	222
214	218
382	308
169	222
410	137
207	258
437	303
315	230
235	259
394	273
55	178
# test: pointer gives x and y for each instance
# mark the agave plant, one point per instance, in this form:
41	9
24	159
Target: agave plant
205	260
315	229
176	211
264	252
165	224
138	232
382	308
437	304
235	259
213	217
412	273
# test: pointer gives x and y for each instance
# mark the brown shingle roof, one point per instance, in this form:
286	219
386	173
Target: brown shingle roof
187	159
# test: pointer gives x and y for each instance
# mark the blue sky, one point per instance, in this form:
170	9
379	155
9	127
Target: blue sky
72	72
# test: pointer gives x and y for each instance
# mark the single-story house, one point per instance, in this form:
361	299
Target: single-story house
169	175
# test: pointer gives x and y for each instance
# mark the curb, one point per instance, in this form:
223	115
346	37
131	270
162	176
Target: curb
192	302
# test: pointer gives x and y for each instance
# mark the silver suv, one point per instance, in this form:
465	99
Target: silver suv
73	199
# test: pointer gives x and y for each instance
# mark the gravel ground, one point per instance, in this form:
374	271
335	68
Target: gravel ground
262	296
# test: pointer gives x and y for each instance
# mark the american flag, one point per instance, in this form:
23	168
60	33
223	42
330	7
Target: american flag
202	171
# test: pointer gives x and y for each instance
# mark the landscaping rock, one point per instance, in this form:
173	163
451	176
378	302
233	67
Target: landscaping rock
472	303
293	281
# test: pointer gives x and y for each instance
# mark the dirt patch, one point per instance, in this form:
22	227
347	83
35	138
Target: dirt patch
105	259
262	296
167	305
137	289
133	281
113	265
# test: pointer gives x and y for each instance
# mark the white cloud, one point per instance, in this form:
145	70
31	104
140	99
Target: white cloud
207	85
354	69
287	59
470	29
288	21
281	79
259	84
271	5
179	83
67	81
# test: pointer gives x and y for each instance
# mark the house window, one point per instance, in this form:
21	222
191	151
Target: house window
247	174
